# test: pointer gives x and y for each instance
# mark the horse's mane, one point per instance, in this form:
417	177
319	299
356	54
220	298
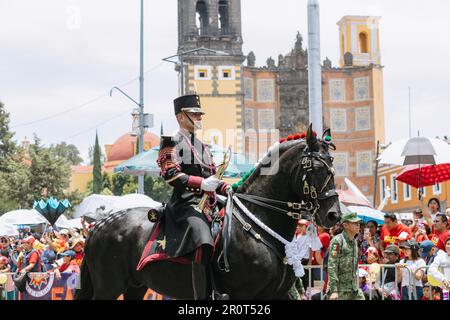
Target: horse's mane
280	147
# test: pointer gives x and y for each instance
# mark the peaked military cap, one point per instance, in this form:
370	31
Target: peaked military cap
350	217
188	103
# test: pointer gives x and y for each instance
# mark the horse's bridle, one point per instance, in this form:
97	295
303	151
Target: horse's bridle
308	189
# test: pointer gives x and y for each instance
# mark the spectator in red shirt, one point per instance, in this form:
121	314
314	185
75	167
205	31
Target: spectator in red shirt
31	261
441	232
393	232
69	264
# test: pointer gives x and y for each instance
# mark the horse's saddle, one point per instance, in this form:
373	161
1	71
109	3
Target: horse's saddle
173	242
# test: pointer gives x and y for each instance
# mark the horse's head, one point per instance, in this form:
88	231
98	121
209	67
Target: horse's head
308	168
299	172
314	179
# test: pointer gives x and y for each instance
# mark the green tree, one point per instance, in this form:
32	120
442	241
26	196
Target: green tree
7	145
67	151
97	170
157	189
119	180
49	175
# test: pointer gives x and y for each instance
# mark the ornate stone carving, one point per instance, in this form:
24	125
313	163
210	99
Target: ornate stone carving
251	59
270	63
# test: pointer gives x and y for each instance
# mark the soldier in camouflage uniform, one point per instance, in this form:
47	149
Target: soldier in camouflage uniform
343	262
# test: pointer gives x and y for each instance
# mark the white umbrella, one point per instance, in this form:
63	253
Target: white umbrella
418	150
22	217
114	203
8	230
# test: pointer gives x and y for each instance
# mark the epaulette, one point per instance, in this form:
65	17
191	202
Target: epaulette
167	141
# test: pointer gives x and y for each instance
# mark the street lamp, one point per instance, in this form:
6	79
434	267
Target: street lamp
141	97
181	61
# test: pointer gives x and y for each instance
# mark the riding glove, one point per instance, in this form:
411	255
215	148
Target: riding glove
210	184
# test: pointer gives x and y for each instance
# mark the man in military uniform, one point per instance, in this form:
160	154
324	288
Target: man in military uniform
343	262
186	164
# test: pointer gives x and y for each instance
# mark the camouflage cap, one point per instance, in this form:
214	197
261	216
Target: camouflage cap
350	217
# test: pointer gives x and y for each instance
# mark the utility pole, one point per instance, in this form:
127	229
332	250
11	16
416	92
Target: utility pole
314	67
141	99
410	129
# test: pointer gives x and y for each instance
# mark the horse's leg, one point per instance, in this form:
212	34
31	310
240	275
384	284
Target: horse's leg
133	293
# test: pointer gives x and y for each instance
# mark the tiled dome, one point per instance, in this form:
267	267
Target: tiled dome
123	148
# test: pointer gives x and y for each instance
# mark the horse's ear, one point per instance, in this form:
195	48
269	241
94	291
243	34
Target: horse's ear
311	140
326	133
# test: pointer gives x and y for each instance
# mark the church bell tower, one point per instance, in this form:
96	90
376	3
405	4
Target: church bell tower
214	74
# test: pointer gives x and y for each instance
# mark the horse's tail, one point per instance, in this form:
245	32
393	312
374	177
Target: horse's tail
86	290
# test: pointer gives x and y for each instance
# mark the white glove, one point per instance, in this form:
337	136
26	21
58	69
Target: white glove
210	184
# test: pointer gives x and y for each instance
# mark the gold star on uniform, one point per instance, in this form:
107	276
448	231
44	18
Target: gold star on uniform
162	243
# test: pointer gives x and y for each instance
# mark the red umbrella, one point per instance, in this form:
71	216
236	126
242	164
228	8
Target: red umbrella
429	175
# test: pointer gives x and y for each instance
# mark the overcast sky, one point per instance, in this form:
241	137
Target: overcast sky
63	56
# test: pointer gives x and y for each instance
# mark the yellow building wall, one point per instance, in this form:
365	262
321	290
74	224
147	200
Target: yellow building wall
79	181
378	103
223	107
403	205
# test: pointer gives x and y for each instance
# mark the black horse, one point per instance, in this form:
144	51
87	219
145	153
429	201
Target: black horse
301	173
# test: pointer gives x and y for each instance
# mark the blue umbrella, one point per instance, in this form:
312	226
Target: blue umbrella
145	163
51	209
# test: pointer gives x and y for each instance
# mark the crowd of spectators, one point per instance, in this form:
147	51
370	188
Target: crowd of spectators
54	251
409	252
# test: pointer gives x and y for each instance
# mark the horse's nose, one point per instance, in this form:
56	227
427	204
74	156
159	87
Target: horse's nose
333	217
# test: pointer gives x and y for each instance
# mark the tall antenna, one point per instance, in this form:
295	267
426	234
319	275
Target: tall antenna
410	128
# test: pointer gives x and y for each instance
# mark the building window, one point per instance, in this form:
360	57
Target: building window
249	118
361	88
437	188
382	188
364	164
362	119
338	120
363	46
226	73
337	90
424	192
394	189
202	72
340	164
406	192
266	119
265	90
201	17
248	88
223	18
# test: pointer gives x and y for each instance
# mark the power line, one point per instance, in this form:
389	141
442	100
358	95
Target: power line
83	105
96	126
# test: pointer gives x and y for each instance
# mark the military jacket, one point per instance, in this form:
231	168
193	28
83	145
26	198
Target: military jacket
343	264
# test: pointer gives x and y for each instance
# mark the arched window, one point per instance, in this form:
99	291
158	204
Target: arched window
201	17
223	17
363	47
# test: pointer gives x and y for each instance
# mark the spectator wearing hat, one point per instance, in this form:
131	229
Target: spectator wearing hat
60	244
441	233
428	251
48	259
343	262
440	267
393	232
411	270
31	259
391	257
69	264
78	247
